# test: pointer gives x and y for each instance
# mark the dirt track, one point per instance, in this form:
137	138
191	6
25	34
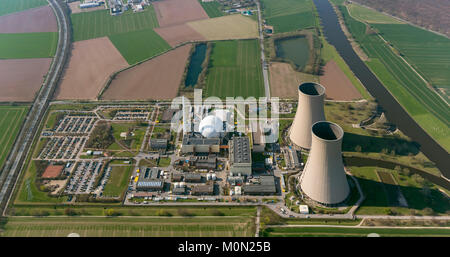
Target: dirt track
22	78
90	65
158	78
177	34
284	80
41	19
337	85
171	12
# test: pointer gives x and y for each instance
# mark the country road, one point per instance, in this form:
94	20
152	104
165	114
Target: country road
16	158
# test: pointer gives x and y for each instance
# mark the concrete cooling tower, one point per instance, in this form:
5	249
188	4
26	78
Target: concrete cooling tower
323	179
310	110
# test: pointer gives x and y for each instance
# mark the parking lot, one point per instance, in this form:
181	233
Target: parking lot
83	178
132	115
76	124
62	148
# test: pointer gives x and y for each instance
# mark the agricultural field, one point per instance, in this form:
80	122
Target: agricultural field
284	80
172	12
22	78
139	45
235	70
424	105
288	15
12	6
364	14
41	19
178	34
352	232
427	52
134	227
336	83
89	66
144	81
226	27
87	25
17	45
118	181
11	118
212	9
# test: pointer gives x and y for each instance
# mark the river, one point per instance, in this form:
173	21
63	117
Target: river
393	110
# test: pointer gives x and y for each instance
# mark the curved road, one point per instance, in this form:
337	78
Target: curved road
15	160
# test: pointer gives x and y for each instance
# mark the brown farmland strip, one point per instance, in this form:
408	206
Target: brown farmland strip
158	78
90	65
171	12
337	85
178	34
41	19
22	78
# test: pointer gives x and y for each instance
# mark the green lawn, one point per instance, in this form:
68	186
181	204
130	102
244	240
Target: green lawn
212	9
118	181
368	15
411	186
235	70
11	118
164	162
288	15
351	232
29	193
11	6
134	142
424	105
125	227
139	45
28	45
87	25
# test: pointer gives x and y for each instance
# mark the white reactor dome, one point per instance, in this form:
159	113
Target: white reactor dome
211	126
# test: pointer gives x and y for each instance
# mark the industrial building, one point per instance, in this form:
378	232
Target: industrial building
240	156
204	162
149	180
309	110
263	185
203	189
324	179
177	177
196	143
193	177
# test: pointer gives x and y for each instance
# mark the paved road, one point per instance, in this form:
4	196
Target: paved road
263	58
15	160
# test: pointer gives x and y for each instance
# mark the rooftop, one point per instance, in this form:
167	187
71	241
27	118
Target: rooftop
241	150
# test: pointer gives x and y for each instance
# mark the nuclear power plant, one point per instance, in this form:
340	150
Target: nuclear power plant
324	179
310	110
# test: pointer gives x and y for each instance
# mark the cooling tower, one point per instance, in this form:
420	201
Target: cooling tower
323	179
310	110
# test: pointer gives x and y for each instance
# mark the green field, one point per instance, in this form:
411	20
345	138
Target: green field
18	45
424	105
235	70
136	46
100	23
420	201
351	232
118	181
288	15
11	6
11	118
125	227
427	52
212	9
368	15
